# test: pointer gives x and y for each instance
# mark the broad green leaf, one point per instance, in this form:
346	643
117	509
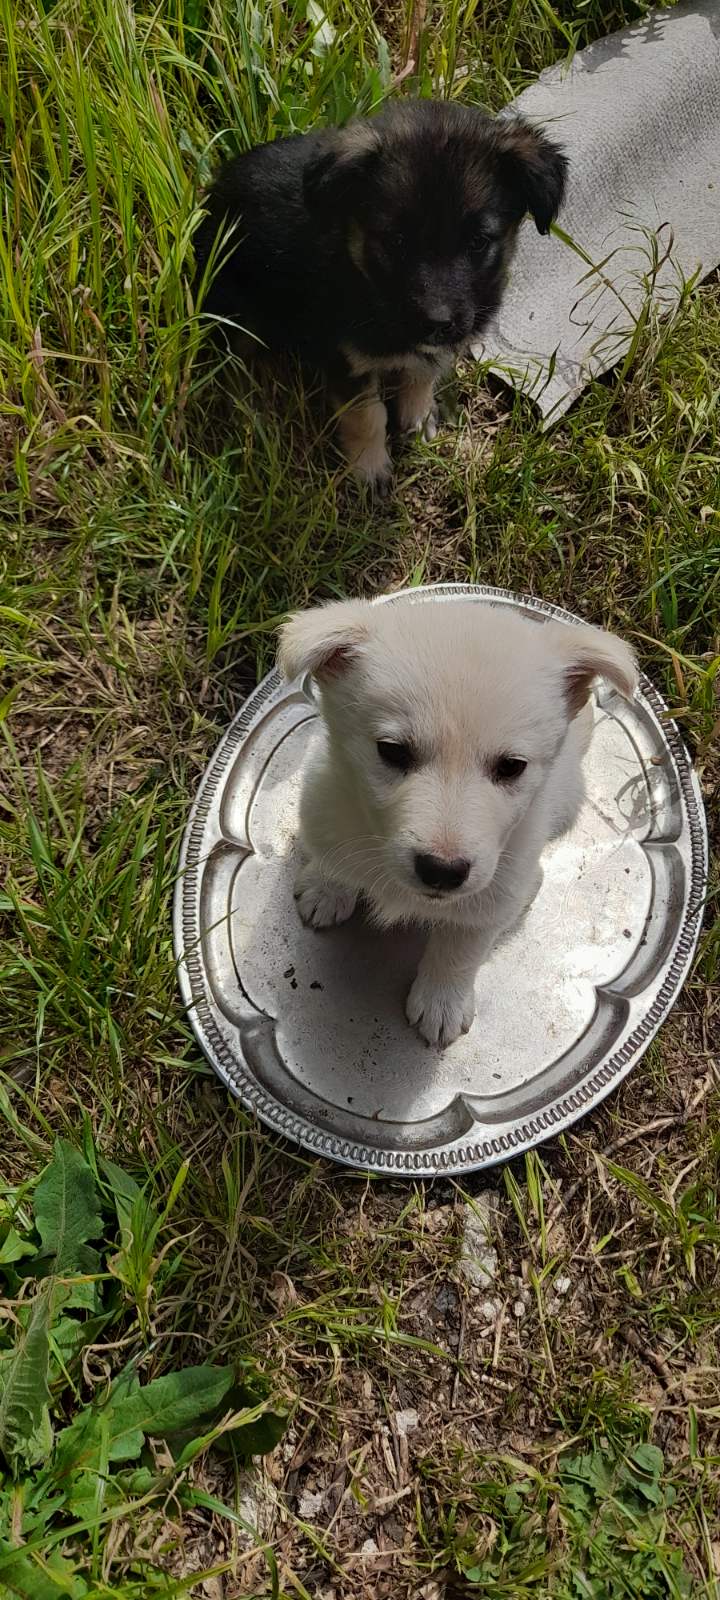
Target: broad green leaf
32	1577
127	1484
259	1438
595	1471
649	1459
123	1188
77	1295
579	1498
39	1443
244	1423
165	1406
168	1404
649	1463
89	1260
69	1335
69	1294
24	1393
120	1184
14	1247
80	1445
136	1480
253	1438
66	1210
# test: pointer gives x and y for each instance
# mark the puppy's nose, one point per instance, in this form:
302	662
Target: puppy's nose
440	319
438	311
437	873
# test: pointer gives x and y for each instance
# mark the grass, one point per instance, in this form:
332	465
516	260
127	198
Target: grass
159	518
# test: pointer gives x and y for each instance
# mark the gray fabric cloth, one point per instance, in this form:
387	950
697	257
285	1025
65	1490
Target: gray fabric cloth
639	116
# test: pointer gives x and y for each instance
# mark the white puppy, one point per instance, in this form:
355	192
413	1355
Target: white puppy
454	735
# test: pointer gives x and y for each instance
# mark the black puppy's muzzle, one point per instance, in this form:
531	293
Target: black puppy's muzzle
447	327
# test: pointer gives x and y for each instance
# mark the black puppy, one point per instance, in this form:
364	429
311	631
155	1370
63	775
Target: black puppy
378	248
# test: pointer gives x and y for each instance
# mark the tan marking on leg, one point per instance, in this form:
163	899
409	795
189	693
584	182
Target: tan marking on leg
363	434
416	408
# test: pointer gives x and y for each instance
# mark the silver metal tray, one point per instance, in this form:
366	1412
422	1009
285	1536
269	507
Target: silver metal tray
308	1029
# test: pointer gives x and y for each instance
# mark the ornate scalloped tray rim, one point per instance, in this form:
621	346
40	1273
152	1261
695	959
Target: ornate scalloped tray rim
558	1115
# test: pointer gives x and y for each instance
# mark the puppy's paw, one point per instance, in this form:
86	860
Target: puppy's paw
424	424
373	468
439	1012
431	425
321	904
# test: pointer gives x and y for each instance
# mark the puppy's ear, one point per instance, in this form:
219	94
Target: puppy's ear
342	158
534	169
589	653
324	640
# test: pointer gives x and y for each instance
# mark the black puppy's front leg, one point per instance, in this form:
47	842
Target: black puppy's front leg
415	404
362	424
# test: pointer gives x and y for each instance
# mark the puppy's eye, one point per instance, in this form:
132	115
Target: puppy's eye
395	755
508	768
477	238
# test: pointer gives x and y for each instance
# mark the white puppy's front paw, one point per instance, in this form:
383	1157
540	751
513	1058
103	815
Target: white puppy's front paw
320	903
440	1012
